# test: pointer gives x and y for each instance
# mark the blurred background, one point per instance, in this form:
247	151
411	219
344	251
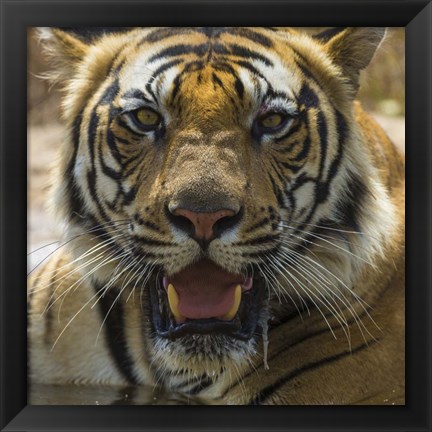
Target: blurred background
382	92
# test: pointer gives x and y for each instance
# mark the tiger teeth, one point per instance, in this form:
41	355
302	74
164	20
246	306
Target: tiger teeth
173	301
235	307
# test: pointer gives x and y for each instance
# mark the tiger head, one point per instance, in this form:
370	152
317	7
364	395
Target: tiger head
203	162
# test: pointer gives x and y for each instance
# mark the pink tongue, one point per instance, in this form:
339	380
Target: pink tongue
205	290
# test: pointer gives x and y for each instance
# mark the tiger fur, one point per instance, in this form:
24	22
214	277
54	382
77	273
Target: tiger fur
253	138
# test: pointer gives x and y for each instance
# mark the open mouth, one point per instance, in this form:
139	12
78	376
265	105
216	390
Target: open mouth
205	299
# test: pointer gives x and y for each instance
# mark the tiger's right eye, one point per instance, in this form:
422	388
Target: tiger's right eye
271	122
146	119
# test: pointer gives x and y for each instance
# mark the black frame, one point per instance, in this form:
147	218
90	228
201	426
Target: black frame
16	15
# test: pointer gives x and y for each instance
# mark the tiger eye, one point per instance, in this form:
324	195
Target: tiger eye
147	117
271	120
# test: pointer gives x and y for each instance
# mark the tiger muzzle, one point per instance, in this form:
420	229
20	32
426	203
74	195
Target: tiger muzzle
206	299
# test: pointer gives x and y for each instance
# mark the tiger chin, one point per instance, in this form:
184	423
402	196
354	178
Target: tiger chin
234	219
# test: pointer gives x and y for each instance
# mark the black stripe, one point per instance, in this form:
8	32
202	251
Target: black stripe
110	139
129	196
114	332
278	353
180	49
140	221
164	67
301	155
259	224
150	242
323	136
135	94
210	32
284	137
222	66
90	34
150	91
49	310
175	88
278	170
164	33
328	34
106	169
260	254
254	36
244	52
278	193
293	168
342	130
258	240
187	381
130	166
202	385
91	182
110	93
216	80
322	188
107	97
308	97
239	87
300	340
252	69
75	200
272	388
350	208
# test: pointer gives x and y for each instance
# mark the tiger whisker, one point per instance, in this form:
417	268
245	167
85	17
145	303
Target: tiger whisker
80	281
337	314
324	236
362	303
308	293
72	319
331	243
285	292
145	282
138	271
91	251
335	229
59	247
52	303
324	279
116	299
141	274
359	299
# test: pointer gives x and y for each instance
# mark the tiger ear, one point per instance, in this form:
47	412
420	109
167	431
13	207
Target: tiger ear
64	49
351	48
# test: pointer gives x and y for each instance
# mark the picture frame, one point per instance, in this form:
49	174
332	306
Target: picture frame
16	16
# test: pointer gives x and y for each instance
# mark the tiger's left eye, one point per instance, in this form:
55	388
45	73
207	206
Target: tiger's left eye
146	118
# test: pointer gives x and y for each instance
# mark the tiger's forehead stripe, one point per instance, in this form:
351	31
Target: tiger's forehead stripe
159	65
257	36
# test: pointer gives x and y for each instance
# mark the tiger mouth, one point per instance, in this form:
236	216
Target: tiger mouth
205	299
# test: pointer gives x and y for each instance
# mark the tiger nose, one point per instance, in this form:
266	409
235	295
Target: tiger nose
204	226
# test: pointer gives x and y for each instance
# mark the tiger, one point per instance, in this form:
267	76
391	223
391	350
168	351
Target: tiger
234	219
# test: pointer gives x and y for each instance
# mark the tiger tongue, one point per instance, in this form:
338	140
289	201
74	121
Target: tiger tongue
205	290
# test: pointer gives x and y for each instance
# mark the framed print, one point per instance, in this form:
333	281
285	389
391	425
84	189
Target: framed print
231	222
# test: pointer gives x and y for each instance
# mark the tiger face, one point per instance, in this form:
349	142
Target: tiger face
203	162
